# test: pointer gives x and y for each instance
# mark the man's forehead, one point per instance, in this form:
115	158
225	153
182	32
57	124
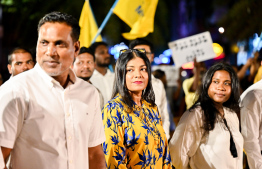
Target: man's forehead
86	56
101	47
21	56
49	29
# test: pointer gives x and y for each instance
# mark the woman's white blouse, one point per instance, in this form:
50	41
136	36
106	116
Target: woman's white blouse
191	148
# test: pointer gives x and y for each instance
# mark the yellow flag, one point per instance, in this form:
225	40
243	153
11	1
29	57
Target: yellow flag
139	15
88	26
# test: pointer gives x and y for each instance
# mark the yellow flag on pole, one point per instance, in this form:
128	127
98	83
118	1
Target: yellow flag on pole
88	26
139	15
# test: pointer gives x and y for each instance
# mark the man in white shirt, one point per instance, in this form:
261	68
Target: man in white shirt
84	66
251	124
19	60
158	87
102	78
52	119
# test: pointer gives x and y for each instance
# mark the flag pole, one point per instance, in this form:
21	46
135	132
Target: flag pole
105	21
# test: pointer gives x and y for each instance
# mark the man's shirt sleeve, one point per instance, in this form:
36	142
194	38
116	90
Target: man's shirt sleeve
250	128
13	106
97	134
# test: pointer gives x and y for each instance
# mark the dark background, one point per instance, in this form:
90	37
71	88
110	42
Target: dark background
174	19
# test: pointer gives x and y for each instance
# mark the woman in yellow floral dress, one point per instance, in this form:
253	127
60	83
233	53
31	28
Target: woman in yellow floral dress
135	137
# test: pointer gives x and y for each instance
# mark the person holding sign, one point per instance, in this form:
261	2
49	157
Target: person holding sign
208	135
190	85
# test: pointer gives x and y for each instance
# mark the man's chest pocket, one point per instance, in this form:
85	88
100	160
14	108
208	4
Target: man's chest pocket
82	116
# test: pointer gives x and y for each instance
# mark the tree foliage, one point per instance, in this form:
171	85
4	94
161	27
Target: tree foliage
243	20
20	19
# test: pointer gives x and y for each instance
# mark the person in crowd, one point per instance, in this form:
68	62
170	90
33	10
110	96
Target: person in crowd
160	74
241	74
102	77
178	98
190	85
135	137
158	86
258	57
208	135
251	121
52	118
84	66
247	80
20	60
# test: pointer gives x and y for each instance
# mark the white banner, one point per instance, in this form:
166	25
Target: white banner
172	73
186	49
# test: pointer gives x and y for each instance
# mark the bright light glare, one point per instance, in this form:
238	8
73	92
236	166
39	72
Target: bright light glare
157	60
165	60
183	73
115	49
221	30
167	52
217	49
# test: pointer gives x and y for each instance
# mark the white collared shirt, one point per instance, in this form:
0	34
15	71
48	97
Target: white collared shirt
47	126
191	148
104	83
161	102
251	124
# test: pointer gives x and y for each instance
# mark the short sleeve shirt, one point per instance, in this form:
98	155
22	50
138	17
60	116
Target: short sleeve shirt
47	126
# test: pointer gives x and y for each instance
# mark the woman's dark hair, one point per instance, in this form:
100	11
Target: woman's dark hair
206	103
120	79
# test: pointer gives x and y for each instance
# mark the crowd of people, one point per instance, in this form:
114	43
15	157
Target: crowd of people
69	110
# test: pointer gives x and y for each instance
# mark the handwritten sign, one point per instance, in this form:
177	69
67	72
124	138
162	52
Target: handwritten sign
197	46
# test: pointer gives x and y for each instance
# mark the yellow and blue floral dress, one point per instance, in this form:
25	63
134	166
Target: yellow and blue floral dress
134	139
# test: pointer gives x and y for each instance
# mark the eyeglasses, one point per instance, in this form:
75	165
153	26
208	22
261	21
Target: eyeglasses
147	53
132	50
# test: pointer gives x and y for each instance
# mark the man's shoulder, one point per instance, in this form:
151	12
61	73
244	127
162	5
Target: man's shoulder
253	89
157	82
251	97
109	73
21	79
95	76
19	85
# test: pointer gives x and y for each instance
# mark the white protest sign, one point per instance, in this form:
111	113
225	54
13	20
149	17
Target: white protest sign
186	49
172	73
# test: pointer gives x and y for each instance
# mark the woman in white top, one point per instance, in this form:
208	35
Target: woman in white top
207	135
